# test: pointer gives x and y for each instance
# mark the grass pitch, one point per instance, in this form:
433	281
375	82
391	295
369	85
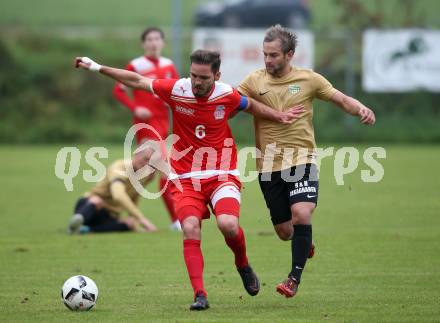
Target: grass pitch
377	254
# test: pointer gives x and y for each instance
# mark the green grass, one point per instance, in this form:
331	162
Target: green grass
377	255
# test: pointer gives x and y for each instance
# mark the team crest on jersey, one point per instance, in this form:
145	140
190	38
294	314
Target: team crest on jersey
219	112
294	89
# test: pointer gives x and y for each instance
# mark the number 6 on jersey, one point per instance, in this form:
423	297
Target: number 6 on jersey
200	131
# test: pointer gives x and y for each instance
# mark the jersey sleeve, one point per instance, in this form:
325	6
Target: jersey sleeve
247	86
324	89
236	102
163	88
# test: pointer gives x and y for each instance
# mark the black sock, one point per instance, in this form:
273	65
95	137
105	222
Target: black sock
88	211
301	244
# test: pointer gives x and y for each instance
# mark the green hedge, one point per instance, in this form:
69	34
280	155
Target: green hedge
43	99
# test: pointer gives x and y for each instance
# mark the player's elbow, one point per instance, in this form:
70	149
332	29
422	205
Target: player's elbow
144	83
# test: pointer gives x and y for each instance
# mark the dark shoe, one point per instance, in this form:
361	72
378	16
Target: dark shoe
250	280
200	303
288	288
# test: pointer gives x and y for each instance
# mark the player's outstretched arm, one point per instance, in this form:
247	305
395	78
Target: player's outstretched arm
261	110
354	107
130	79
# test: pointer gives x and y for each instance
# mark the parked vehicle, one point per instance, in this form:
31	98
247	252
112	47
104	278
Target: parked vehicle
254	13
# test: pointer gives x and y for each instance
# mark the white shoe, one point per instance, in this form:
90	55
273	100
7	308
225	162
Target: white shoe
75	223
175	226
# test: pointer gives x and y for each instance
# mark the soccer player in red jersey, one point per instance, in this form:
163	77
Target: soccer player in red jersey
203	160
146	107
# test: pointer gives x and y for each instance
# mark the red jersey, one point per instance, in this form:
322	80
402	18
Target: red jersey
154	68
206	147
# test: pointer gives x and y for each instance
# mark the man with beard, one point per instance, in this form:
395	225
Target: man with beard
290	185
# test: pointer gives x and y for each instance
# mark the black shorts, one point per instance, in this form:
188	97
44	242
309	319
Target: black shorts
284	188
102	220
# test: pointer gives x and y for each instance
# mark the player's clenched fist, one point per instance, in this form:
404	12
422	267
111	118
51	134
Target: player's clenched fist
87	64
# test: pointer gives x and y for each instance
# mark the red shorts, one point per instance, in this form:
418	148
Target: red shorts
222	196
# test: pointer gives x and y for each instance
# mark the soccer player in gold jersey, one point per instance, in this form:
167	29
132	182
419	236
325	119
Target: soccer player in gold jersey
288	174
98	210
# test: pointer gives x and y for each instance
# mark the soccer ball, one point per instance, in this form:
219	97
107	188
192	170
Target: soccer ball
79	293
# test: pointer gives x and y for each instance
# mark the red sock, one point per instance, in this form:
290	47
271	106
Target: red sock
238	247
194	264
168	198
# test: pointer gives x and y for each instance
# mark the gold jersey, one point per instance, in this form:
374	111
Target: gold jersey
115	172
283	146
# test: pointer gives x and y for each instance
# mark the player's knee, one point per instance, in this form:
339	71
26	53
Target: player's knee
156	157
191	228
285	235
302	214
97	201
284	232
228	225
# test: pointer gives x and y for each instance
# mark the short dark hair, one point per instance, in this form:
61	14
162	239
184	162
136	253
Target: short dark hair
150	30
206	57
287	38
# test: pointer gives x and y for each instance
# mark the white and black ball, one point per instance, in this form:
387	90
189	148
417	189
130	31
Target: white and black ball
79	293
